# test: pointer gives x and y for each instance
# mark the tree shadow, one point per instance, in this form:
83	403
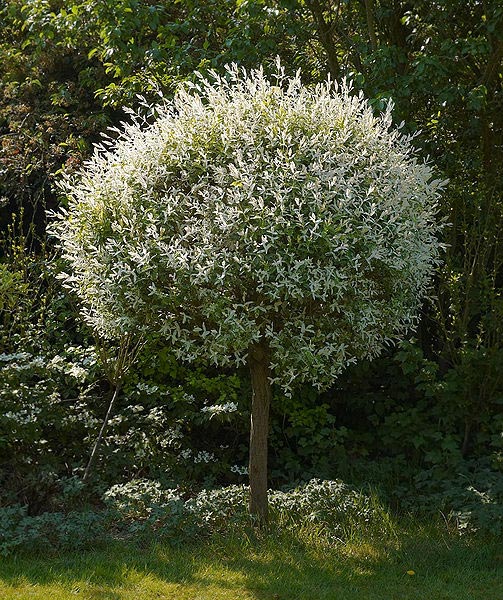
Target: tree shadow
281	567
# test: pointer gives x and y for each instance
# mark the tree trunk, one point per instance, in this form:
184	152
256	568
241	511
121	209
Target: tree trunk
467	438
324	30
258	362
369	9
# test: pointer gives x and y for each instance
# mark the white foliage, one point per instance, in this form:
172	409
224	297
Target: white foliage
252	210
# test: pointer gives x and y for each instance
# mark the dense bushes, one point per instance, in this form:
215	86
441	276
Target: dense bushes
143	510
46	416
386	424
423	424
176	427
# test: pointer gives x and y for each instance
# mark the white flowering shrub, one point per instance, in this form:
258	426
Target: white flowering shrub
255	210
139	497
144	509
331	506
174	425
47	403
52	408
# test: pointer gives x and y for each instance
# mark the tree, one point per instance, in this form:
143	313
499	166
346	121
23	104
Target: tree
256	222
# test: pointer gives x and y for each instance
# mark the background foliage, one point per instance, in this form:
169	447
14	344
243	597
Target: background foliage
423	423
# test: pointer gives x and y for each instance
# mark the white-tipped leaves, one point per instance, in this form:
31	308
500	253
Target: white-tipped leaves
255	209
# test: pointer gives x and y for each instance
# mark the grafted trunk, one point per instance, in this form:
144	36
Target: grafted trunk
258	363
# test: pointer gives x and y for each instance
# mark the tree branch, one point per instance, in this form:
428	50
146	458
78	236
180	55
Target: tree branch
369	9
324	32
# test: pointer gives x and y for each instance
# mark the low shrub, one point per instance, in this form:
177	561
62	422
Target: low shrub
142	510
470	496
332	507
47	411
51	531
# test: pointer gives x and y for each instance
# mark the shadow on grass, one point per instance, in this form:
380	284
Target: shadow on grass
279	567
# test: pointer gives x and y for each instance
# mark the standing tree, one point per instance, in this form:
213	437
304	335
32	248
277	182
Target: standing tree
257	222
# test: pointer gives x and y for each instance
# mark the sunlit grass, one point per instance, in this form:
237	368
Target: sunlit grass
279	566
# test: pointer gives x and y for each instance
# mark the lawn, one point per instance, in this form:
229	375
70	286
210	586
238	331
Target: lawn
280	566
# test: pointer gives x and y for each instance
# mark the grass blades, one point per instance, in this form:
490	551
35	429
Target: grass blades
279	566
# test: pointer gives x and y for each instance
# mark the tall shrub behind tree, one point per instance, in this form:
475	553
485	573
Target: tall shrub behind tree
442	63
255	222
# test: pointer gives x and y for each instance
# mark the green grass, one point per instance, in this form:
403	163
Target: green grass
281	566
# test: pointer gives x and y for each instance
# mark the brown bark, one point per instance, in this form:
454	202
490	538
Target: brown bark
465	449
258	363
493	65
324	29
488	137
369	10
